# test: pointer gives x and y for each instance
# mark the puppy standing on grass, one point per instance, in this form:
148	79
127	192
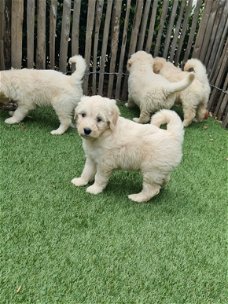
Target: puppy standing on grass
149	91
113	142
31	88
194	98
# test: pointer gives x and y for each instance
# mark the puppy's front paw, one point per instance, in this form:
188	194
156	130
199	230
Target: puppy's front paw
11	120
138	198
78	181
56	132
136	119
94	189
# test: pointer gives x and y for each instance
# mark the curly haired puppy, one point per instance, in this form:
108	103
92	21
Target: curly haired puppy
113	142
150	91
195	97
31	88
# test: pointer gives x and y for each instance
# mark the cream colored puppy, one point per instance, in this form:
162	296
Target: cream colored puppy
150	91
195	97
31	88
113	142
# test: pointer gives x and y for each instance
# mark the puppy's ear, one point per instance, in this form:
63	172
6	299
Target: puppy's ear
129	64
114	114
157	66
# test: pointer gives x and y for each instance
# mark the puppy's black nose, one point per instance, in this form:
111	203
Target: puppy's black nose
87	131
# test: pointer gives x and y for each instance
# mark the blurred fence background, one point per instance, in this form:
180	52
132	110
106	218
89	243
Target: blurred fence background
44	34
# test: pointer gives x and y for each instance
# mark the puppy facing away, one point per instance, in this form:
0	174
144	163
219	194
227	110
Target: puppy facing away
113	142
195	97
150	91
31	88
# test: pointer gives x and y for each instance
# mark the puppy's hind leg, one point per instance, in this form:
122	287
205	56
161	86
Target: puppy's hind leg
18	115
189	115
143	118
202	112
65	120
150	189
130	103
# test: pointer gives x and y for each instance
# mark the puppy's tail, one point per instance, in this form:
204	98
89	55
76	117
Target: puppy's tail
173	121
80	63
196	66
174	87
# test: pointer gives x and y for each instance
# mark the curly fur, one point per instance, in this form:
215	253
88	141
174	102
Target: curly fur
195	97
31	88
113	142
150	91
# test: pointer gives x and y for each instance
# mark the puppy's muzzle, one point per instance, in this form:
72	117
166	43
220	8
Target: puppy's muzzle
87	131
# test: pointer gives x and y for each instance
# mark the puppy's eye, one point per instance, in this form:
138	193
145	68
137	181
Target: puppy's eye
99	119
83	114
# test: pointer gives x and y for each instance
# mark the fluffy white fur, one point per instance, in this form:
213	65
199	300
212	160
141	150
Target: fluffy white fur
195	97
31	88
148	90
113	142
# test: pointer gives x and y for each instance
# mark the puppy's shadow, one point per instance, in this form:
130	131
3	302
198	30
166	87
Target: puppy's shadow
124	183
41	117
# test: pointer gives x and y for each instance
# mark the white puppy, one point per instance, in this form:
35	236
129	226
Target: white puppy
150	91
195	97
31	88
113	142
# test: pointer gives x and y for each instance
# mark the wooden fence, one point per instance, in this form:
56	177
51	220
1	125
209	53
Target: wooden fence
44	34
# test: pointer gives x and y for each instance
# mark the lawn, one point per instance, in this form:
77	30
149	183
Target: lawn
60	244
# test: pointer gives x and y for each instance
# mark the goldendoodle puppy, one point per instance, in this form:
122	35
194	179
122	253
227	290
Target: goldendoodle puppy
113	142
150	91
31	88
195	97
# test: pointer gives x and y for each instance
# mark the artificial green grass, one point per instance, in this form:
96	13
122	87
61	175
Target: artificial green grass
60	244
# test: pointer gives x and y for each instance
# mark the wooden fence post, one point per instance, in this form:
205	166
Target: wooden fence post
41	35
30	32
2	22
16	32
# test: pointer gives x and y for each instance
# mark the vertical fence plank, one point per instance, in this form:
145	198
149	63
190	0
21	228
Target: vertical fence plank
52	32
151	26
75	27
183	32
136	25
133	41
213	66
193	29
143	25
170	28
161	27
88	42
214	75
41	35
176	30
208	32
16	32
222	102
30	32
217	80
104	46
2	59
202	29
114	42
218	28
99	10
65	33
123	48
7	33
